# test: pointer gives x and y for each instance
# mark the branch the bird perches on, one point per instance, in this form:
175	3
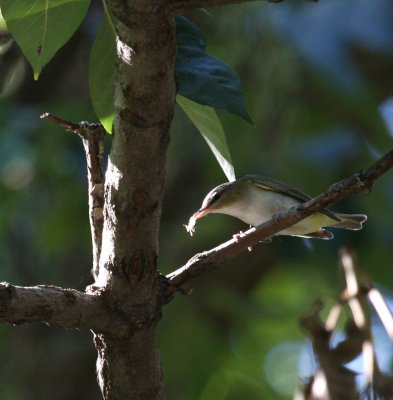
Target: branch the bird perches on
361	181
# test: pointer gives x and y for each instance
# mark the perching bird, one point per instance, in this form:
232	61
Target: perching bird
256	199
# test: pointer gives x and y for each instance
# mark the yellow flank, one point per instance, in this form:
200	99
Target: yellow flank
310	224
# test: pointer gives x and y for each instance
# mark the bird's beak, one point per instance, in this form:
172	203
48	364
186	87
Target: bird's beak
201	213
190	227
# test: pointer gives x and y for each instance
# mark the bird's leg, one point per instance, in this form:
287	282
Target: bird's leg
241	234
277	215
238	236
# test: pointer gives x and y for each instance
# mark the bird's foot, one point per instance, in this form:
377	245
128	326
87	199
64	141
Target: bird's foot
277	215
238	236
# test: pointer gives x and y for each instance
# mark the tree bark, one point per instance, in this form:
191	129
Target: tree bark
54	306
129	365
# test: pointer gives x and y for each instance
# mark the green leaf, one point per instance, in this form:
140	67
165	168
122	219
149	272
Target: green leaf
102	72
3	26
41	27
203	78
209	125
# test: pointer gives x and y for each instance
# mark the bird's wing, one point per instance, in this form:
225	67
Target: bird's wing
278	186
266	183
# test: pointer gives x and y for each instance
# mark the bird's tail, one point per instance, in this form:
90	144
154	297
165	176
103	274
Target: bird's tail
350	221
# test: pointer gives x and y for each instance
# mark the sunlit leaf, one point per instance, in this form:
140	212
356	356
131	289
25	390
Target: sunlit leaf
101	74
203	78
41	27
3	26
207	122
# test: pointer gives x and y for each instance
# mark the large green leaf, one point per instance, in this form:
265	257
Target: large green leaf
41	27
207	122
101	73
203	78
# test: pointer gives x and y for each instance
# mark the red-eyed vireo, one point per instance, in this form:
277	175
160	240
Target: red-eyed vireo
256	199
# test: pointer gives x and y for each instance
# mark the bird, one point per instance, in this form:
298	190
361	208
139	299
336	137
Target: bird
256	199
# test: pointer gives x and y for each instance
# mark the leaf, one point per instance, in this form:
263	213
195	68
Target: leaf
3	26
207	122
41	27
102	72
202	78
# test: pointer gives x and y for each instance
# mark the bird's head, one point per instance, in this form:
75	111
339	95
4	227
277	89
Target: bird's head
217	200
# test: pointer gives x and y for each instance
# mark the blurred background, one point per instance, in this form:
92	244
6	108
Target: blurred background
318	80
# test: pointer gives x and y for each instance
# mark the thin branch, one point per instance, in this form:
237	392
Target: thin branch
65	308
339	382
92	135
358	305
332	379
361	181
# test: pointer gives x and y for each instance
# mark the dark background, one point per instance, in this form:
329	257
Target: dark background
317	78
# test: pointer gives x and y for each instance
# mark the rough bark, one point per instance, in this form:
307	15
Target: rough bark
54	306
129	365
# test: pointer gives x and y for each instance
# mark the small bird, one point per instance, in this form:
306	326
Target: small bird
256	199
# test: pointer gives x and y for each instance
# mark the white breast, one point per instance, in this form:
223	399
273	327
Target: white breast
258	206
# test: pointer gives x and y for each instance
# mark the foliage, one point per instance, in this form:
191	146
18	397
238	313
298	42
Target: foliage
101	73
40	27
201	77
207	122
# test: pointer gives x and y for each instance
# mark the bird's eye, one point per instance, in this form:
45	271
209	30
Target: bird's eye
215	196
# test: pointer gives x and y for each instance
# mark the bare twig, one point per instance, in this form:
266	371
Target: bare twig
376	299
331	380
361	181
339	381
358	306
92	135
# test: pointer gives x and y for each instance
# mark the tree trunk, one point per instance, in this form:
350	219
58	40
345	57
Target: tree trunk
129	365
